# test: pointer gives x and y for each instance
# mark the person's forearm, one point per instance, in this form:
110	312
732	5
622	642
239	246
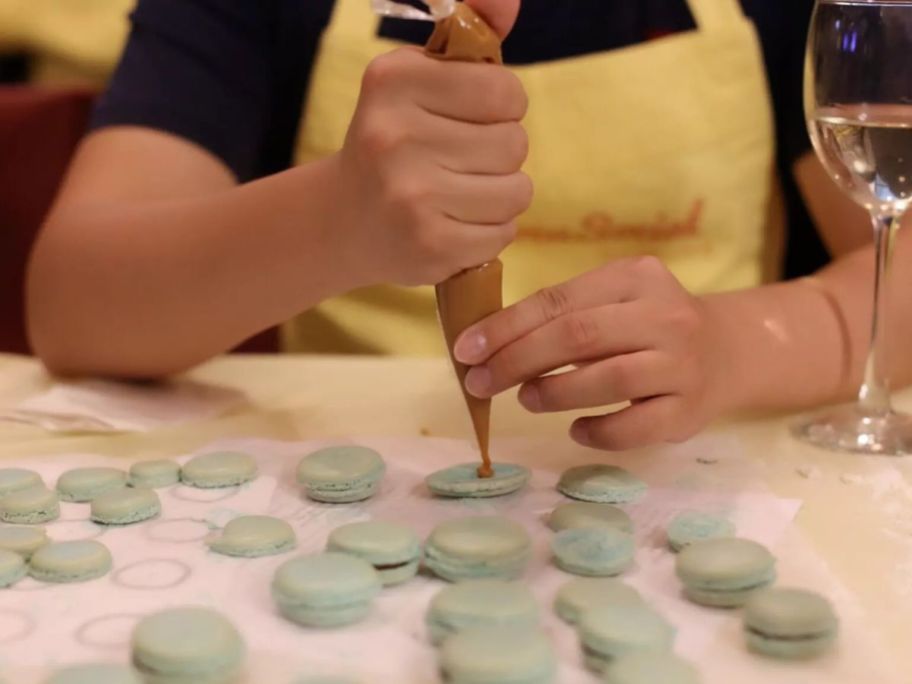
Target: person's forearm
160	286
805	342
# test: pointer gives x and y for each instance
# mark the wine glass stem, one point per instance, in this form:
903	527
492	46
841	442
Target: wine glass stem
874	396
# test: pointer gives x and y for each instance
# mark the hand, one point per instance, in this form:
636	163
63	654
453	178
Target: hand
633	333
430	170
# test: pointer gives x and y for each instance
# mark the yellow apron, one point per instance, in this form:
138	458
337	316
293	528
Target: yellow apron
661	148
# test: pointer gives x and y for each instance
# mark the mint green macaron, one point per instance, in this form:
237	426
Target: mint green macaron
478	547
341	474
725	572
24	540
81	485
692	526
253	536
606	633
790	624
154	474
70	561
498	654
190	645
219	469
125	506
462	481
30	506
586	593
577	514
643	667
12	568
394	550
601	483
15	479
326	589
473	603
95	674
593	551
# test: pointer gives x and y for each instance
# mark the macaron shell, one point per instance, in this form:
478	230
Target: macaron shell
253	536
326	616
789	623
498	654
81	485
480	602
125	506
219	469
790	649
376	541
651	668
579	514
610	633
309	586
341	474
600	483
584	593
95	674
726	598
154	474
462	481
192	644
391	577
691	526
478	547
22	540
30	506
12	568
593	552
72	561
16	479
725	564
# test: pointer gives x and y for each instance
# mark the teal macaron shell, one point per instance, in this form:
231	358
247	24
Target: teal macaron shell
30	506
15	479
789	623
593	593
125	506
341	474
578	514
252	536
219	469
70	561
154	474
601	483
325	589
99	673
643	667
593	551
462	481
480	602
189	645
498	654
81	485
724	572
611	632
693	526
12	568
477	547
22	539
393	549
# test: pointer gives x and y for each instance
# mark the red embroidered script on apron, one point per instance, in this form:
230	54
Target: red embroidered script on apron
600	226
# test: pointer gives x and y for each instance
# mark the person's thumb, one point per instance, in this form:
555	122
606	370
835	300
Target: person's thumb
500	14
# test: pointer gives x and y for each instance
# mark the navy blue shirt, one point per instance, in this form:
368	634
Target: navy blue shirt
232	75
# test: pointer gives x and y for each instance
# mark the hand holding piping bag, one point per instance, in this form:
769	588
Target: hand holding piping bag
475	293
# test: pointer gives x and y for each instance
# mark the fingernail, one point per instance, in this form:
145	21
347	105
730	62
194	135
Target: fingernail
579	432
471	347
478	382
530	397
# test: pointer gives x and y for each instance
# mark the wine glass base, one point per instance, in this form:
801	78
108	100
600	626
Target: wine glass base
849	428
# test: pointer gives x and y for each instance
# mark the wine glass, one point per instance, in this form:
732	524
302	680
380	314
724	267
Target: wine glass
858	103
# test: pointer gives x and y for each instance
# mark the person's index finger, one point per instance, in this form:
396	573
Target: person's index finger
607	285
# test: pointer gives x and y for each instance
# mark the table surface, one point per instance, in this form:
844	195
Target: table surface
857	512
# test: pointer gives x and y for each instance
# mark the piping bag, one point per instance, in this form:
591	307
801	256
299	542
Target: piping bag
475	293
